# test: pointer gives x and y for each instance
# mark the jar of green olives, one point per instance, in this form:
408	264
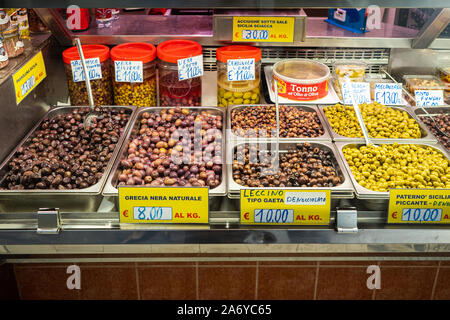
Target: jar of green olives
134	78
98	67
238	75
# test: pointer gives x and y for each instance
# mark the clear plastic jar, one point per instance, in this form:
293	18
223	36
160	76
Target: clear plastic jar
128	93
12	42
3	55
241	91
101	87
355	70
4	19
172	91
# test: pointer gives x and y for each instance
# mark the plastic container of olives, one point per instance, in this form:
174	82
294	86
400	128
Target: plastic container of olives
234	136
129	90
342	191
112	182
100	75
75	200
375	200
426	135
421	82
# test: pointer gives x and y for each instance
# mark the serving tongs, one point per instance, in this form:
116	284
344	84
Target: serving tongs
92	114
358	112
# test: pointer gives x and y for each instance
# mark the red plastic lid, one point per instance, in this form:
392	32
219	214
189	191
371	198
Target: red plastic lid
172	50
134	51
89	51
238	52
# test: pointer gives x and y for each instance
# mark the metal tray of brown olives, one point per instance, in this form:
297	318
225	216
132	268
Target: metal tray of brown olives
344	190
74	200
310	108
374	200
111	190
427	136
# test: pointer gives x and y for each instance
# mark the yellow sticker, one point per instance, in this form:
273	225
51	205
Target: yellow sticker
285	207
263	29
163	204
29	76
419	206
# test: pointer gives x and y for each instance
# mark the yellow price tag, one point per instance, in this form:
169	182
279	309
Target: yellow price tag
419	206
29	76
263	29
285	207
163	204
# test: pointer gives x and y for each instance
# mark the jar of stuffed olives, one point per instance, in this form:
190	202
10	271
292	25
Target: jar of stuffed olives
98	66
238	77
134	78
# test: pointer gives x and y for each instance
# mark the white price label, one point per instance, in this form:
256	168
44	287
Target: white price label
93	67
421	214
388	93
152	213
429	98
241	69
361	91
27	85
190	67
274	215
129	71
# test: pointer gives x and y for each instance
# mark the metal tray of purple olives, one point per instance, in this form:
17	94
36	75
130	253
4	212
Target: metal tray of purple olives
56	188
151	165
308	127
374	200
427	114
427	136
330	172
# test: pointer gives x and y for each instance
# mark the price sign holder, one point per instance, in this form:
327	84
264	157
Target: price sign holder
171	205
285	207
419	206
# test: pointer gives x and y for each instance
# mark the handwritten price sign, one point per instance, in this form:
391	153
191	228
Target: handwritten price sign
263	29
190	67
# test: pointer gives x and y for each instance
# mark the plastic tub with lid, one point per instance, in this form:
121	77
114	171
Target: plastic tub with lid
237	91
134	79
301	79
172	91
98	65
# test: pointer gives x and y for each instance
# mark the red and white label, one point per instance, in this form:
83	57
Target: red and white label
305	92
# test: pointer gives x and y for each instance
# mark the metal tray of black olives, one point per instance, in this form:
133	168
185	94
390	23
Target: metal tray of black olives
232	136
68	200
427	136
112	182
374	200
343	190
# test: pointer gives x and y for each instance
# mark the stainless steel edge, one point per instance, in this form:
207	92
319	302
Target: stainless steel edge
310	108
111	191
432	28
342	191
364	193
427	138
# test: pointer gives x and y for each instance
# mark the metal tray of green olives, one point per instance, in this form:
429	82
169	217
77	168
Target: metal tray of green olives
75	200
110	189
309	108
343	191
380	199
427	136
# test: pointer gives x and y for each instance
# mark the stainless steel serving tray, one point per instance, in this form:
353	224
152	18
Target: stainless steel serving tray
343	191
82	200
111	190
364	193
427	136
310	108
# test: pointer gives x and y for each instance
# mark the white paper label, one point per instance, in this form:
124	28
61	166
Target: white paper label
388	93
428	98
190	67
361	91
93	67
129	71
241	69
305	198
